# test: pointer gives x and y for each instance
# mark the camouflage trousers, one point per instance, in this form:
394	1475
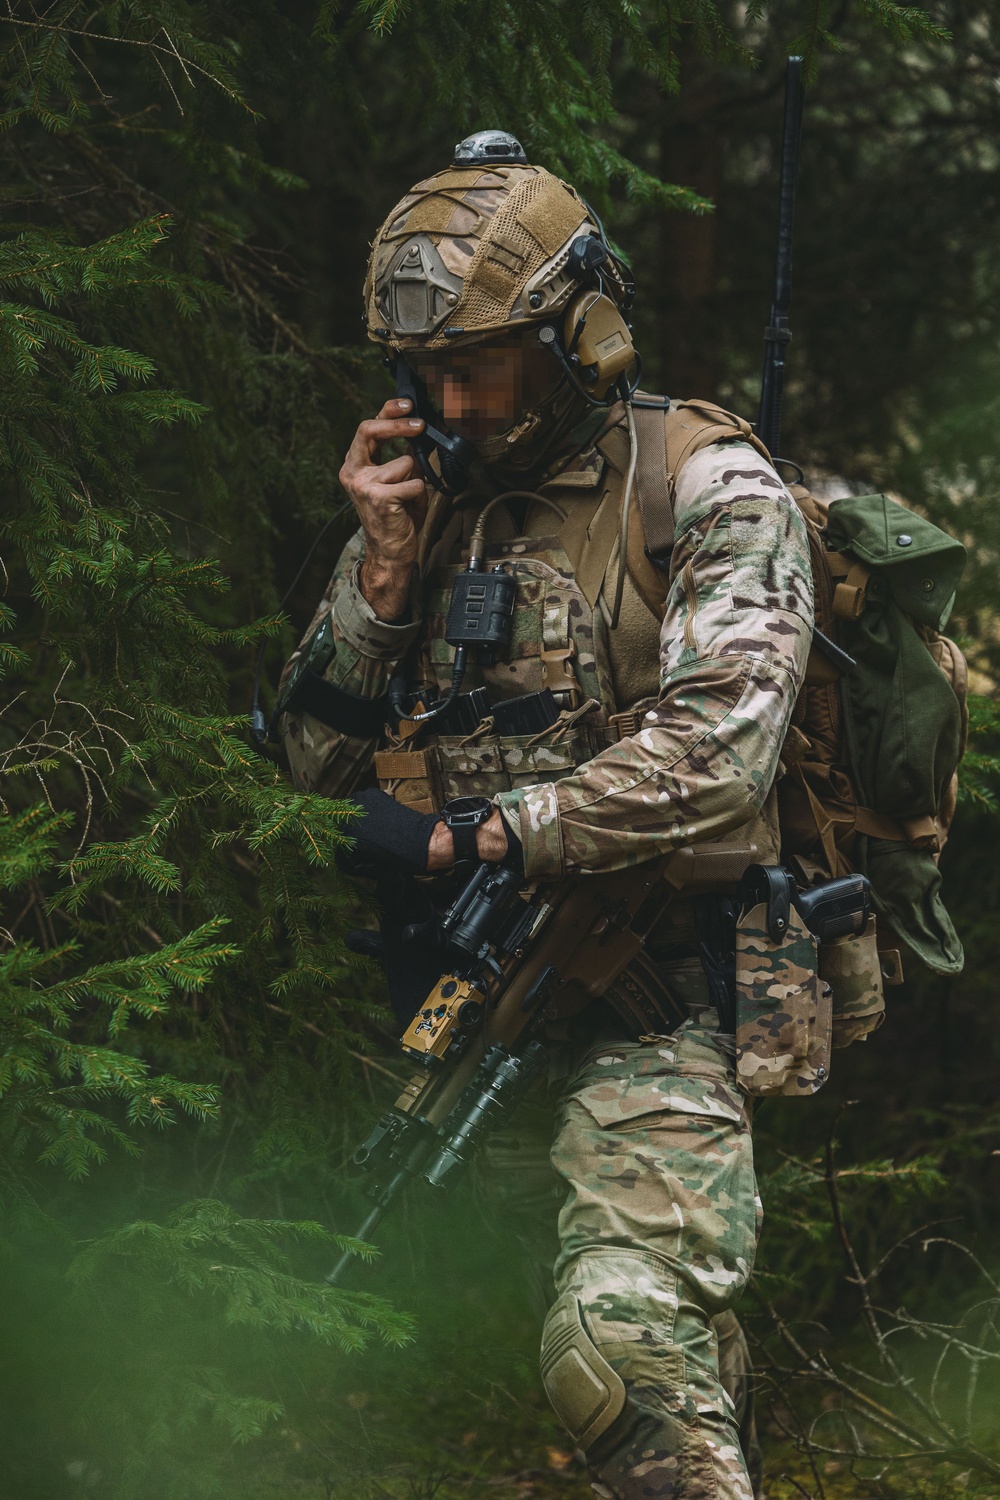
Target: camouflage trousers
642	1356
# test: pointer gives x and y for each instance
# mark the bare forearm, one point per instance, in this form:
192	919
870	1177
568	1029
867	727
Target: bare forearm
386	587
391	501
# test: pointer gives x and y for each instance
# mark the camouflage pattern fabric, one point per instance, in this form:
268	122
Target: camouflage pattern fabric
658	1234
520	1194
475	239
550	616
733	648
850	966
784	1012
366	651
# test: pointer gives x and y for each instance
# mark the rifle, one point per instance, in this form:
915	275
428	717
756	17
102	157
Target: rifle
778	333
513	958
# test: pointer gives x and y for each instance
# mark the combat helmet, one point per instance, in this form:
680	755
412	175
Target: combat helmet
491	245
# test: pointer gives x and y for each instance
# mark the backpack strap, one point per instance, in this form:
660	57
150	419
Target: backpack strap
653	479
668	434
919	833
652	538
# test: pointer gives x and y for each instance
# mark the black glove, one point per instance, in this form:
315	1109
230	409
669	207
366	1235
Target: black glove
391	834
388	833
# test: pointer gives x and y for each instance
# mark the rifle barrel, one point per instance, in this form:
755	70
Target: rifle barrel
778	333
372	1222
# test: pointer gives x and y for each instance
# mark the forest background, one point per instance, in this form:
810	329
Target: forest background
188	1053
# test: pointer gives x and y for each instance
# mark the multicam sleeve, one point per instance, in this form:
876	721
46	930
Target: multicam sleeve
366	652
733	650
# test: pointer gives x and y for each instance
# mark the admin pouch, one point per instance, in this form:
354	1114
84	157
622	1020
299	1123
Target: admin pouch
850	966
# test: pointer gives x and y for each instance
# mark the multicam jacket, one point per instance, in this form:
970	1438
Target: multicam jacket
671	729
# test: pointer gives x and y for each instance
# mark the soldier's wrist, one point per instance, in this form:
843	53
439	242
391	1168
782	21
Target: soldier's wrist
492	843
385	586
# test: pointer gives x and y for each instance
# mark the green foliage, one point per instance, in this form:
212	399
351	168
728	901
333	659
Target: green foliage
981	767
205	1248
168	873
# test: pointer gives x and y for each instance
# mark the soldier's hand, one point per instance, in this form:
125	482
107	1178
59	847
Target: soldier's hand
391	501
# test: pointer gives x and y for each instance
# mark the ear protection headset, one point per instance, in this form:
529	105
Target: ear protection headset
594	342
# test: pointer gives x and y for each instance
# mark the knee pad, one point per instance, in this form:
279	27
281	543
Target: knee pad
586	1393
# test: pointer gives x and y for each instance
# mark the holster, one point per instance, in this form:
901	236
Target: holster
796	998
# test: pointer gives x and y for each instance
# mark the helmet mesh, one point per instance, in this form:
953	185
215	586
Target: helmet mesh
504	226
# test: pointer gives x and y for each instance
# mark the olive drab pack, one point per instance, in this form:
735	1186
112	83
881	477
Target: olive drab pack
873	754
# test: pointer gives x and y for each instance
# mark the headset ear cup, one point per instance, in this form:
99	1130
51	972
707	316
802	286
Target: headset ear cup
595	332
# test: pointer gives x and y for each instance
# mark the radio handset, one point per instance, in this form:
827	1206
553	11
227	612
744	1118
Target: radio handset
456	454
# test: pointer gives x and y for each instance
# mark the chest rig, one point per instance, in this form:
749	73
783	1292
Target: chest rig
565	685
532	706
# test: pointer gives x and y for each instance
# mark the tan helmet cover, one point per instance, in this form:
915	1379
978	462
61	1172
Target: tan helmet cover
470	253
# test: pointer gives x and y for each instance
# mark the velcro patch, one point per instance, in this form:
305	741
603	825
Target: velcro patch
551	217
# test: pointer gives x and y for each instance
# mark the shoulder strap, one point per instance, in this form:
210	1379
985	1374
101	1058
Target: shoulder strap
693	425
685	427
653	491
651	534
668	434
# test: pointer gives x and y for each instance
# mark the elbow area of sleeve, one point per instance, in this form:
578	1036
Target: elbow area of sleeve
699	768
361	629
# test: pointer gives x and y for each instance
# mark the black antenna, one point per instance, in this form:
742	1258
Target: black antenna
778	333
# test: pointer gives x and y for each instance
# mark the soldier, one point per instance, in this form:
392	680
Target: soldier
662	616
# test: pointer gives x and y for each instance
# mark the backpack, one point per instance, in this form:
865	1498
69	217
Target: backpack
871	756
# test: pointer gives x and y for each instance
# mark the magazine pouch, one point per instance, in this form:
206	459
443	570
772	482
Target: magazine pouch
851	967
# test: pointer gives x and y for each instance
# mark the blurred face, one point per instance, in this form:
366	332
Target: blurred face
483	390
